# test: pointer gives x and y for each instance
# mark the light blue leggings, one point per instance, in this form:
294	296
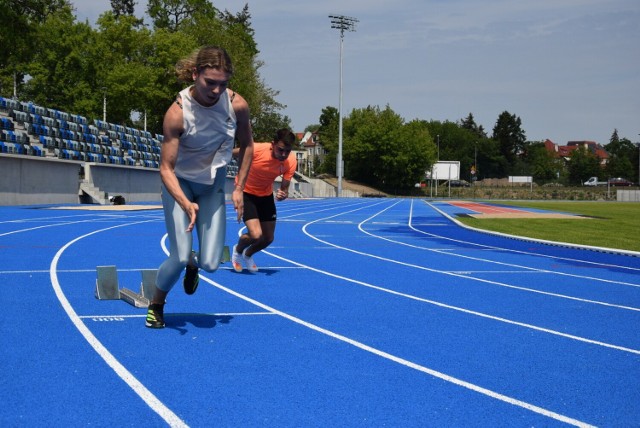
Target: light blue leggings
210	228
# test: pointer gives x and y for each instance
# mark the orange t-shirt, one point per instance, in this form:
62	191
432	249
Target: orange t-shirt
265	169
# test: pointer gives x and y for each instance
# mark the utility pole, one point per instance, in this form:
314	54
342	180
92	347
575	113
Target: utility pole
341	23
104	104
474	177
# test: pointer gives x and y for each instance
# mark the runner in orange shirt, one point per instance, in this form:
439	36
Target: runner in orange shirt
270	160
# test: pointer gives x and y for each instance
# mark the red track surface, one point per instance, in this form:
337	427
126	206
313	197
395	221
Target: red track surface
484	208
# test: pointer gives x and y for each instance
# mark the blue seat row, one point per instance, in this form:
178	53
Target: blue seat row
69	136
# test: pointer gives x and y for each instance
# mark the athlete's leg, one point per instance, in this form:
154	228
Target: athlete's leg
251	222
211	223
262	232
266	236
180	243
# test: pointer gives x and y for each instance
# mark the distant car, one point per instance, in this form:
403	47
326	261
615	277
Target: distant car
459	183
619	182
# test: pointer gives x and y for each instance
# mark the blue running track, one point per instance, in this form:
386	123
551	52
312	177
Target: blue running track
364	313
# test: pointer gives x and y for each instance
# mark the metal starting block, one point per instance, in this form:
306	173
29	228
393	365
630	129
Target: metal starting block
107	286
226	256
107	283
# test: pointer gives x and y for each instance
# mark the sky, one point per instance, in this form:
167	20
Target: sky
569	69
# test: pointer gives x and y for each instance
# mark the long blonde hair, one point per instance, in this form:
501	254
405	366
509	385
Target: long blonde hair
205	57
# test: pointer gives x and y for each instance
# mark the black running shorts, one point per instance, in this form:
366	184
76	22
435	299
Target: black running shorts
261	207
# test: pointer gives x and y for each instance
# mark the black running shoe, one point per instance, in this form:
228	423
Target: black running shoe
191	278
155	316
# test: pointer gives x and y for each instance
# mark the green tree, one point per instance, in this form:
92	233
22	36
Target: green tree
19	25
234	33
123	7
622	157
172	15
328	137
265	125
382	151
462	144
541	164
582	165
510	136
63	73
166	49
242	21
469	123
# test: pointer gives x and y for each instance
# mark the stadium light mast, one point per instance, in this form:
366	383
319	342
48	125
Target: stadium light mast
341	23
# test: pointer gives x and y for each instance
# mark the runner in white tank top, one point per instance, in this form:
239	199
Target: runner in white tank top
199	131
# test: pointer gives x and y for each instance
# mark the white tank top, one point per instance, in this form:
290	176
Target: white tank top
208	138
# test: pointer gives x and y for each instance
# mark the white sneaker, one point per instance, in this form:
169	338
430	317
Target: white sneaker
236	260
248	262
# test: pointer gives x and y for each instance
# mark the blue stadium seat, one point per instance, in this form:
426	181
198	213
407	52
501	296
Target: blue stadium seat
36	119
37	151
7	123
47	142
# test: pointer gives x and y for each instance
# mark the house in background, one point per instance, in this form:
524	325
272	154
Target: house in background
311	152
564	152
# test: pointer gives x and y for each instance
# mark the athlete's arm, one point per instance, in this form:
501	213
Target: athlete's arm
283	191
245	151
172	128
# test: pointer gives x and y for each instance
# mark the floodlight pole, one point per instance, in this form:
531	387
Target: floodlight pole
342	23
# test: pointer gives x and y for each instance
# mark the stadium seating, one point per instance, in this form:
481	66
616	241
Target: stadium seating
32	130
29	129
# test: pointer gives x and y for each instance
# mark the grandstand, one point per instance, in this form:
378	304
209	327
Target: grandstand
33	130
87	161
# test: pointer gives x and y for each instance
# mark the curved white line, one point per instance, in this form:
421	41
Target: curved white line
542	241
147	396
402	361
528	253
399	360
458	275
457	308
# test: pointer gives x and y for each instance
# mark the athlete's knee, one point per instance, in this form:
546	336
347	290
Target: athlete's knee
256	237
209	265
184	260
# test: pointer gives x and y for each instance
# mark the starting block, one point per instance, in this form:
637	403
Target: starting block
107	283
226	256
107	287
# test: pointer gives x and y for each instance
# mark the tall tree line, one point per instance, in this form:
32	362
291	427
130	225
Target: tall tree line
51	59
382	150
48	57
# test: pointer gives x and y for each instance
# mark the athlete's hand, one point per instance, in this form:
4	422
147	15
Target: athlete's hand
238	202
281	195
192	212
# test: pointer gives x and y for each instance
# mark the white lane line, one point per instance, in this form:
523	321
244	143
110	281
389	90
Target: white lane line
147	396
457	308
472	278
181	314
526	239
406	363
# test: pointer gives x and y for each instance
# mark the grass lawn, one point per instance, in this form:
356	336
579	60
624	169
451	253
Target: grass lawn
609	224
